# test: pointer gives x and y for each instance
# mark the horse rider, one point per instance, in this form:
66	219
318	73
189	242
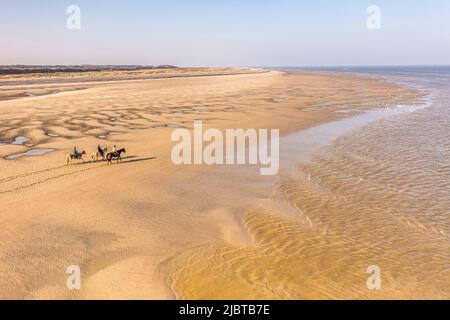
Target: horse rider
101	151
75	152
114	148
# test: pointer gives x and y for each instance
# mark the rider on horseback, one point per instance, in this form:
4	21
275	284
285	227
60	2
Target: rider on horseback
101	151
75	152
115	154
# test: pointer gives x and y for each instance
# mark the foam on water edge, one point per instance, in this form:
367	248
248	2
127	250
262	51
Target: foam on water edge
301	145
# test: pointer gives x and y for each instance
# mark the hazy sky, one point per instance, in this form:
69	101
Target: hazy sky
225	32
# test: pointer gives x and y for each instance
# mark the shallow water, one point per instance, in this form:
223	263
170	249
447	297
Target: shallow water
20	140
302	145
382	193
29	153
372	190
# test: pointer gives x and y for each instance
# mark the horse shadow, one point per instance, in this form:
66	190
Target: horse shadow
125	160
133	159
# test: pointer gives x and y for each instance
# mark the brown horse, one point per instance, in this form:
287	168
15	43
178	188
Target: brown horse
116	154
70	157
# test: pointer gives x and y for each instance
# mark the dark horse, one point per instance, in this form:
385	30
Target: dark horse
116	154
101	152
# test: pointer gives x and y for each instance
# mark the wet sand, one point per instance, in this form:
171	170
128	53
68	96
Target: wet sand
347	203
146	228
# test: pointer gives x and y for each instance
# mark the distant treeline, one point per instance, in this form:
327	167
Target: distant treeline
24	69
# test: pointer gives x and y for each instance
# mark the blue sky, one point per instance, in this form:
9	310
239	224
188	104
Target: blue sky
225	32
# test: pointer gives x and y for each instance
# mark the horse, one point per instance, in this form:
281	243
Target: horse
70	157
99	154
116	154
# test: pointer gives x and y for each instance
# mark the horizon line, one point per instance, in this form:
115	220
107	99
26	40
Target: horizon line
231	66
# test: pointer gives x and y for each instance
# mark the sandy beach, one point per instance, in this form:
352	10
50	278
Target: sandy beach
148	229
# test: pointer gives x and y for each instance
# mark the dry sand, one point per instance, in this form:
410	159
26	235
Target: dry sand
137	229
